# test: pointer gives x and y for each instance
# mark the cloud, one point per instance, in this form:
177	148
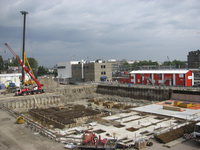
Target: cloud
130	29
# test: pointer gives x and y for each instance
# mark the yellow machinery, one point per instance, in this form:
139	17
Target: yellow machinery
20	120
176	103
29	82
184	104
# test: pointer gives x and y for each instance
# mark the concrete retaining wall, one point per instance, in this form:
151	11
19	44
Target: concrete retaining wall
136	93
77	90
186	95
31	101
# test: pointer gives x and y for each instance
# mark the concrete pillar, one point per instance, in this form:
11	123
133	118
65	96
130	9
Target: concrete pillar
42	101
39	101
12	105
45	101
31	103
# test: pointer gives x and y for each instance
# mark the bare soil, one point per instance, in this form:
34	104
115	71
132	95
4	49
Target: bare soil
15	136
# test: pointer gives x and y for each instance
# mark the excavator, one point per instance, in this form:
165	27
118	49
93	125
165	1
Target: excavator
26	91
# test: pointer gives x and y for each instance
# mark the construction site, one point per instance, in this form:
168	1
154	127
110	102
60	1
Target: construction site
137	117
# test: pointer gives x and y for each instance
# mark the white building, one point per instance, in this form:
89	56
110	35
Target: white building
14	77
64	69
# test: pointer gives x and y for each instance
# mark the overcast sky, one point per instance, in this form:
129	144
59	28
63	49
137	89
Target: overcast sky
64	30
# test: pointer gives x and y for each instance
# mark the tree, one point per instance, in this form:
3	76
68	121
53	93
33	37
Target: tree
33	63
167	63
1	63
126	64
153	63
41	71
137	65
179	63
176	63
55	72
15	62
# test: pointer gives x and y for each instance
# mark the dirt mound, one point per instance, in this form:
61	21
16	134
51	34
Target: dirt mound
49	84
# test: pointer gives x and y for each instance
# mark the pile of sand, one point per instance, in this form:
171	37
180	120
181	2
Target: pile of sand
49	84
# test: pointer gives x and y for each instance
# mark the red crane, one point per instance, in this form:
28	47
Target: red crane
27	91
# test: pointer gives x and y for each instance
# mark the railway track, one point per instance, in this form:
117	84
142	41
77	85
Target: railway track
29	123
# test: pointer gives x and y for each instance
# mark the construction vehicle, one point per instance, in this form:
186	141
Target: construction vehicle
196	135
10	87
9	83
27	91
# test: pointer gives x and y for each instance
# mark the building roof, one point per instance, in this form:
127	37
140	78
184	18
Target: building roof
159	71
10	75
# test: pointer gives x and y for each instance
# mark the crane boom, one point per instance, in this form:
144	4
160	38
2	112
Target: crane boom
25	68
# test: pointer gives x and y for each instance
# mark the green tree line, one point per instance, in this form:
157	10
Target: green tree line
137	65
37	70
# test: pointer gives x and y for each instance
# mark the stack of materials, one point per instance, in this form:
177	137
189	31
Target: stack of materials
170	136
140	144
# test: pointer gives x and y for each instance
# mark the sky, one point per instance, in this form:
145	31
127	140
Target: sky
72	30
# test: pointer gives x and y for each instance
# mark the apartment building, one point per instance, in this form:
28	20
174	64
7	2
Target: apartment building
92	72
194	59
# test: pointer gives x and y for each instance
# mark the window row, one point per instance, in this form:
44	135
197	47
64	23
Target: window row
103	73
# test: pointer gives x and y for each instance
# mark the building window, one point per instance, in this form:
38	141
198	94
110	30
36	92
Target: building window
61	67
159	75
103	73
180	75
86	67
77	68
103	66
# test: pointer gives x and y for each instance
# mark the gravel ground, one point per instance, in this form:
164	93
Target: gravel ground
15	136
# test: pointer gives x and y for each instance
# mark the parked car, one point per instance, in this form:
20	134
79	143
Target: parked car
196	85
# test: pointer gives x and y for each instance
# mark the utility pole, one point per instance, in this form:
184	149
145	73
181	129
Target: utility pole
23	47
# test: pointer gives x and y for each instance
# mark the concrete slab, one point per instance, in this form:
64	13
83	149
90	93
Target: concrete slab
145	123
188	114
